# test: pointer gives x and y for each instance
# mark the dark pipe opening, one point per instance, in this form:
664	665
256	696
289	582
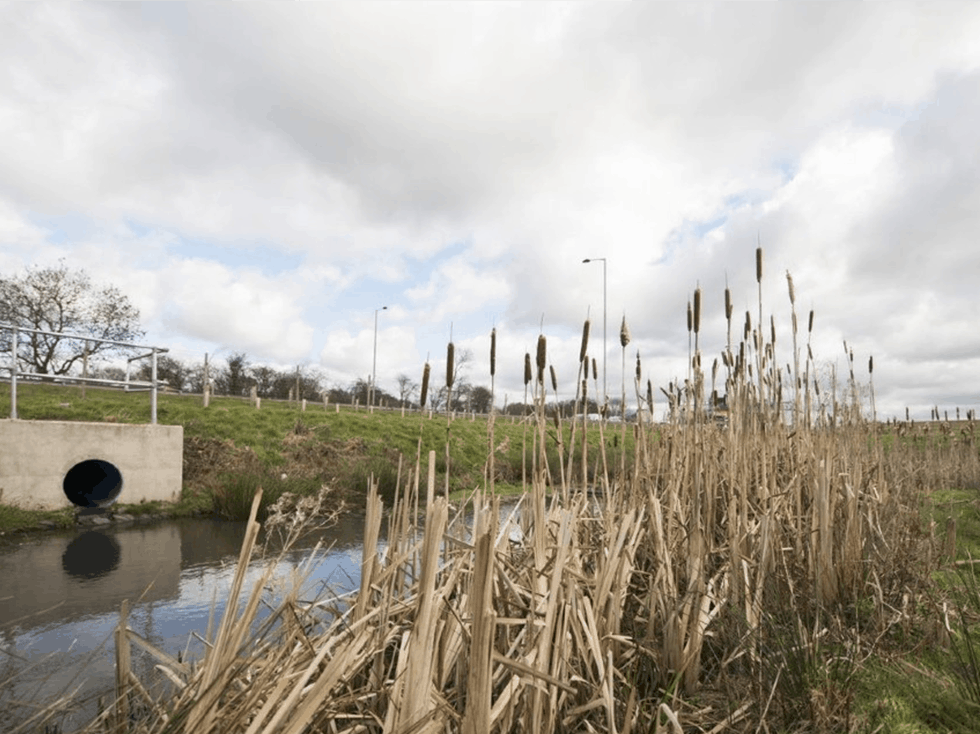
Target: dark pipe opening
93	483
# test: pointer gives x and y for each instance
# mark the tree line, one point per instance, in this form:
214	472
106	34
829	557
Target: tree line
59	299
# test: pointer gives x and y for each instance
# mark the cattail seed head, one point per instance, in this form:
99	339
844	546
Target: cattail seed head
748	325
450	364
772	328
585	342
728	304
595	370
542	356
871	364
425	385
792	293
650	394
527	368
697	310
690	318
624	333
638	371
758	265
493	351
809	328
554	379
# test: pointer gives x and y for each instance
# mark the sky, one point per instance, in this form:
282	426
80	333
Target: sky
261	178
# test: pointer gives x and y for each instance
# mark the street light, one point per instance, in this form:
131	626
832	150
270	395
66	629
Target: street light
605	390
374	364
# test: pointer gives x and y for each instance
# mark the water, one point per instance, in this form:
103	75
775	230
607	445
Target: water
60	596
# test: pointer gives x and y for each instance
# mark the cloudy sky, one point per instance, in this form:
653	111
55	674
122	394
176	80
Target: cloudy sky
261	178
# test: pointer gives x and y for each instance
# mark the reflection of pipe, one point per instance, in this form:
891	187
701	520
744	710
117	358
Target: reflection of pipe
91	555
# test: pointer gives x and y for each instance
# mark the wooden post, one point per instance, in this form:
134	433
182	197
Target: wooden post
122	668
304	405
207	382
255	395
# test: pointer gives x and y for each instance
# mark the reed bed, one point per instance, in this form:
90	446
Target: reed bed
734	573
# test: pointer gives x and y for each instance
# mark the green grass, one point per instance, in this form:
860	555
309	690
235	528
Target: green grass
919	681
362	444
14	519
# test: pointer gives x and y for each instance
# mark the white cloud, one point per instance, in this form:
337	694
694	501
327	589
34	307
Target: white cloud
457	162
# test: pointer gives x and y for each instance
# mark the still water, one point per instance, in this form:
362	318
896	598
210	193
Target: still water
60	597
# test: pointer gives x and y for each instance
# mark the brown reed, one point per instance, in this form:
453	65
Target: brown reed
719	558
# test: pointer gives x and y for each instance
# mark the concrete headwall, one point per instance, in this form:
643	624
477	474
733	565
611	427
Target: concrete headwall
36	456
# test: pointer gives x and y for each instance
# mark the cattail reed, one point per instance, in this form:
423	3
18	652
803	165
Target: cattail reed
450	364
554	379
595	370
585	343
542	357
425	385
493	352
527	368
697	310
809	327
639	374
690	318
624	333
758	265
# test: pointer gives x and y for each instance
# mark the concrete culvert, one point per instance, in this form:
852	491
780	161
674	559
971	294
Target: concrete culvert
93	483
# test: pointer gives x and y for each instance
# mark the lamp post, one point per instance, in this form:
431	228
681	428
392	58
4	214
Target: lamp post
374	363
605	390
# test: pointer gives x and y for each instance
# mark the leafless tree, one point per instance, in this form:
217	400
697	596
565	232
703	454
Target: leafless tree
59	299
407	387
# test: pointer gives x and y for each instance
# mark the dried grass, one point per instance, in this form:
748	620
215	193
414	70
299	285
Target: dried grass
721	561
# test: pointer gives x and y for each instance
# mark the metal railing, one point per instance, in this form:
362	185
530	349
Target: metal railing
15	371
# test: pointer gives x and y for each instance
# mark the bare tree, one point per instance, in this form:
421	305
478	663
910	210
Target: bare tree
480	399
61	300
407	387
235	379
172	371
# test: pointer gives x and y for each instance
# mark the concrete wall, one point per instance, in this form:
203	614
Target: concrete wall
35	456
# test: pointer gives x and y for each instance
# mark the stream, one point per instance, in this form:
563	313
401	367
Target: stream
60	596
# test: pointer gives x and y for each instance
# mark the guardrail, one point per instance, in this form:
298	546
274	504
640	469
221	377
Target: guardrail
15	372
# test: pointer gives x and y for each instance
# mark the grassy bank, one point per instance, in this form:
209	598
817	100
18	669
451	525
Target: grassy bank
231	448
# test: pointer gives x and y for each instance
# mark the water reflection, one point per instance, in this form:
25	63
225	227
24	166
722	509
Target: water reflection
91	555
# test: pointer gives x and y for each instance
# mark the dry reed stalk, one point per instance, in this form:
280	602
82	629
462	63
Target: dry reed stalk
476	717
369	552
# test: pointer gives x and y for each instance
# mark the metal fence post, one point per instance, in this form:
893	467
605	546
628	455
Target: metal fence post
13	375
153	389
